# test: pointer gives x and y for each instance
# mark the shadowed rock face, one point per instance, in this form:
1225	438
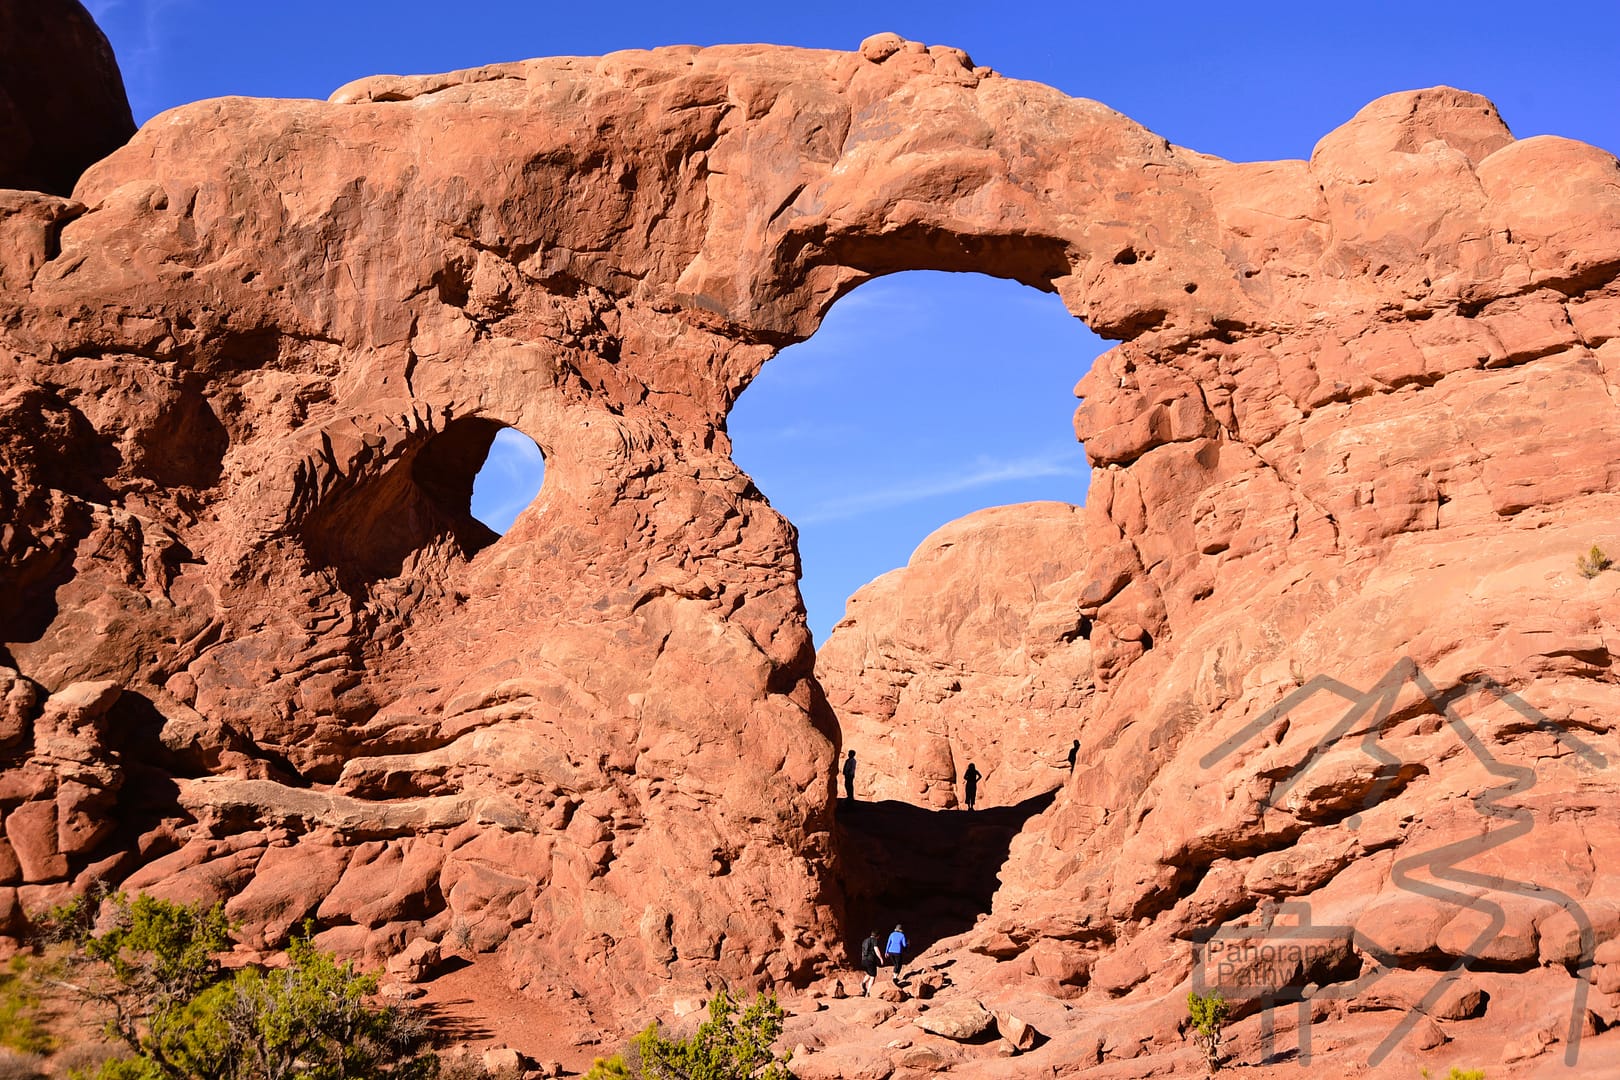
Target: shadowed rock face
62	103
254	647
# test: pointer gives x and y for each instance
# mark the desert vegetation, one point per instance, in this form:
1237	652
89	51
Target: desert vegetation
1593	562
1207	1015
732	1044
148	974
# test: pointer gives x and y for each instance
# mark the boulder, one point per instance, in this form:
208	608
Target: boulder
31	830
856	1063
1020	1034
970	654
416	962
502	1061
962	1019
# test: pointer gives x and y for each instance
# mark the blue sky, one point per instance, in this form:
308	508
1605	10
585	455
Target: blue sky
926	396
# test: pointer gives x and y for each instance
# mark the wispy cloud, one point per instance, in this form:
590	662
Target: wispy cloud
500	516
804	432
101	9
984	473
508	481
139	31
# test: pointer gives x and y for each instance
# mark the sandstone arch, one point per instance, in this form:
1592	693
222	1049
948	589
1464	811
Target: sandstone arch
1330	386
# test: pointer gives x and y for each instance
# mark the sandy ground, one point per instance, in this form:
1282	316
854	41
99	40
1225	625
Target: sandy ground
471	1003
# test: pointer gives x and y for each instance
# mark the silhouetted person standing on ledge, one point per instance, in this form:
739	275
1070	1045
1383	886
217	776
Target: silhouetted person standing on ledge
849	777
971	779
1074	752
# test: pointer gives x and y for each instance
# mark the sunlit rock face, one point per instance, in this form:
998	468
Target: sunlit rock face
973	654
255	647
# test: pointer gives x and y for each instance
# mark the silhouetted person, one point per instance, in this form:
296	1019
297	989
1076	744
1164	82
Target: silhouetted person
896	948
971	779
849	777
1074	752
871	957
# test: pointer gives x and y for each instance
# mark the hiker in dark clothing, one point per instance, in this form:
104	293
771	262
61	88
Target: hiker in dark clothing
849	777
896	948
971	778
871	957
1074	752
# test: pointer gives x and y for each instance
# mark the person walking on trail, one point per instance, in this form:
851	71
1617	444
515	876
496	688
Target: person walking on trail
896	948
971	778
1074	752
849	777
871	957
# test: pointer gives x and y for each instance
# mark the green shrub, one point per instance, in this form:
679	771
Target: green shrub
1208	1014
1458	1074
612	1068
726	1046
121	1068
72	920
1593	563
156	975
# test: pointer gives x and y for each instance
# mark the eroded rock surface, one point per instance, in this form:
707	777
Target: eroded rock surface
1361	411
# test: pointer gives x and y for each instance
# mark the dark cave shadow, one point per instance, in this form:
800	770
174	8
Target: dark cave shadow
367	529
148	796
450	965
29	606
933	871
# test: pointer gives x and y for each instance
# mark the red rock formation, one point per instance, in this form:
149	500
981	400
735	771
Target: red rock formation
973	653
62	103
1360	411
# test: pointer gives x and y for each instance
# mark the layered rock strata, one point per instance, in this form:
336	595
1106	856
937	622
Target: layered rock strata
1361	411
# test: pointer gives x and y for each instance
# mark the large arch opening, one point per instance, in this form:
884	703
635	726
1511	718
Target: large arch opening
922	397
922	443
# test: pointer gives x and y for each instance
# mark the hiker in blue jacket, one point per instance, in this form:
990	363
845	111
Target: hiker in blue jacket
896	949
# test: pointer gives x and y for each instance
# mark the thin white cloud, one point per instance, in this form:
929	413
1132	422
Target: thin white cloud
806	432
501	516
509	479
139	31
984	474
